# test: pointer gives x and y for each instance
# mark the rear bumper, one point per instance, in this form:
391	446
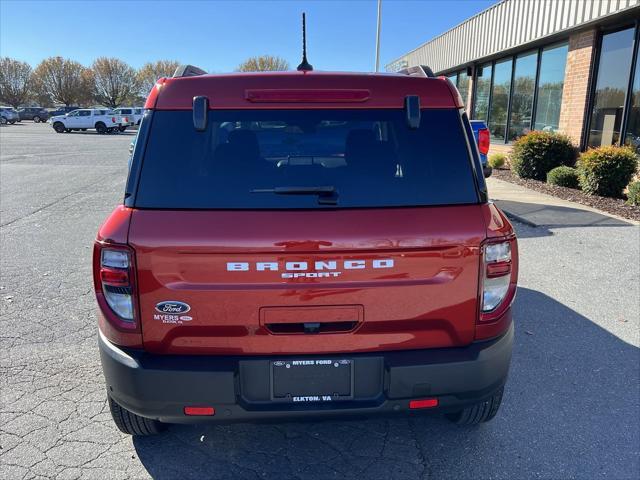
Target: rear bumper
160	386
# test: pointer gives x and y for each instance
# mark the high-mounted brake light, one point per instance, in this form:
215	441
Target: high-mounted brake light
294	95
484	141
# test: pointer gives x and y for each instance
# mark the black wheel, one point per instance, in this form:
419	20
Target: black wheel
36	119
3	120
58	127
478	413
101	128
122	128
132	424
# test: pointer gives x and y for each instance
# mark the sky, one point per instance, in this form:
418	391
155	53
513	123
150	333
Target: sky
218	35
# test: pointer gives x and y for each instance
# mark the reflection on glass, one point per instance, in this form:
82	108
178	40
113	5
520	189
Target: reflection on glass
613	75
551	83
483	86
463	85
500	100
632	137
524	81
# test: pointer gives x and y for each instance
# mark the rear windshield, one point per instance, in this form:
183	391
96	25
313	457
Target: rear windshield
289	159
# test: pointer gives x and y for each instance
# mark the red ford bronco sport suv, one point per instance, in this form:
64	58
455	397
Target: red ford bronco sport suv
304	244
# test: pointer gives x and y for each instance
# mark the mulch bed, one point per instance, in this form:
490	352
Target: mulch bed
614	206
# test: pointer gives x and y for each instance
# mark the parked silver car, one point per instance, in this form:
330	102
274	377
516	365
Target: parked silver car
9	115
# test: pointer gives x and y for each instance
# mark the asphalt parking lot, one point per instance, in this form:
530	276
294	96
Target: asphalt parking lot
571	408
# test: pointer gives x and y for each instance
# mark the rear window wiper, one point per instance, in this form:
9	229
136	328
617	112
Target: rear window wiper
327	194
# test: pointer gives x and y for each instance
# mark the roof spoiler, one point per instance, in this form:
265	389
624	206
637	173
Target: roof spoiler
188	71
417	71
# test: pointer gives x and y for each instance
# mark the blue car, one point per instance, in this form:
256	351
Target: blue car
483	139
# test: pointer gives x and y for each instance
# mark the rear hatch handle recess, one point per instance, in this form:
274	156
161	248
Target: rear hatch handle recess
327	195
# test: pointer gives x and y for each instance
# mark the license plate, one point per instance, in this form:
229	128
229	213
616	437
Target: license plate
309	381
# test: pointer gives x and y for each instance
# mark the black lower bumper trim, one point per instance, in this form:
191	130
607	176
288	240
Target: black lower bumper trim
160	386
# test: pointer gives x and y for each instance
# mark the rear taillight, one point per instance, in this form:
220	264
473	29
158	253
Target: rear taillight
484	140
113	119
497	275
498	279
114	279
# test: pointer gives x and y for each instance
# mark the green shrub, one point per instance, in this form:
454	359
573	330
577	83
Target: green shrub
563	177
497	160
537	153
633	196
605	171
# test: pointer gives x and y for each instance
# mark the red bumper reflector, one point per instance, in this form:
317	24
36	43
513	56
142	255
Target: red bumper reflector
202	411
423	403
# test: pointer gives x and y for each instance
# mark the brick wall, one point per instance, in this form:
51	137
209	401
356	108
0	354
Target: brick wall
576	84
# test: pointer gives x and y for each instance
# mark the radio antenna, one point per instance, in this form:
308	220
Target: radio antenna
304	66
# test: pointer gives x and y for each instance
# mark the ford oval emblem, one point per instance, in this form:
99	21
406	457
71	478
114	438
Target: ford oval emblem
171	306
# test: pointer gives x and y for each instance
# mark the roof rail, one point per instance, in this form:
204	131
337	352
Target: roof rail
417	71
188	71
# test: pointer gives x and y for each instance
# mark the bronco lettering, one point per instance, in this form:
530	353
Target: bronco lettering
304	266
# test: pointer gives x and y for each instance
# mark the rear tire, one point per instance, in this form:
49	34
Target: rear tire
3	121
101	128
58	127
478	413
132	424
36	119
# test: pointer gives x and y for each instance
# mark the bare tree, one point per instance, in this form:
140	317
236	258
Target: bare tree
150	72
263	63
60	80
114	81
15	81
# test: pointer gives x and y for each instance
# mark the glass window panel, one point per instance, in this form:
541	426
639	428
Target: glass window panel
500	99
357	151
632	137
524	81
611	86
483	87
463	85
550	86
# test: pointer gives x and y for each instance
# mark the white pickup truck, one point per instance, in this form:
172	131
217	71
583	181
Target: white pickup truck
103	120
134	114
